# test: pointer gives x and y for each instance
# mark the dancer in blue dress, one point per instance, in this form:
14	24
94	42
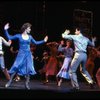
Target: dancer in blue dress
23	64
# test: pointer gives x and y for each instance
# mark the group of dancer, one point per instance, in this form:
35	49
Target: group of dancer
24	65
72	59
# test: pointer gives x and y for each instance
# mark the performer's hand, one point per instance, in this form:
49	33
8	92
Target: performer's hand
6	27
10	42
67	32
94	39
63	35
46	39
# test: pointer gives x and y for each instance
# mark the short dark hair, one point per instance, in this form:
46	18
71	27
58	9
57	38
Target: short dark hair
79	29
25	26
69	41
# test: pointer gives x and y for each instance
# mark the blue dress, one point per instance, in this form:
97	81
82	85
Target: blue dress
24	64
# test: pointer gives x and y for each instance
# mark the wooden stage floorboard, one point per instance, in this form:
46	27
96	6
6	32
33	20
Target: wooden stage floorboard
50	90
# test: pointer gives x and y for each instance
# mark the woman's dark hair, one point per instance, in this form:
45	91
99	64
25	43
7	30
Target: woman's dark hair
25	26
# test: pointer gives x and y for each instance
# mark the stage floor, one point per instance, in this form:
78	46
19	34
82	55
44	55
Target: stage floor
50	90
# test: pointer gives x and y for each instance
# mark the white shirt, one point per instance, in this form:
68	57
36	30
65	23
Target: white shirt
3	41
80	41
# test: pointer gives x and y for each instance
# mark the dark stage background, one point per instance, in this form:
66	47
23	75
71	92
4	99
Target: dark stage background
47	17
